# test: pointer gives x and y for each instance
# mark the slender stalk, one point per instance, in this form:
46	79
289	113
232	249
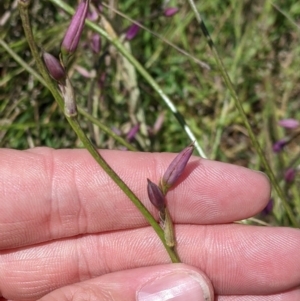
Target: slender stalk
243	115
142	71
286	15
94	120
73	121
106	130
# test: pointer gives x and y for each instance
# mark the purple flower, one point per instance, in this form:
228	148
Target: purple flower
289	175
176	168
92	15
268	208
289	123
96	43
133	131
155	195
132	31
170	11
72	36
54	67
158	124
84	72
279	145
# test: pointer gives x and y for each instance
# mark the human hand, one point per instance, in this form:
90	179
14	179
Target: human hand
68	233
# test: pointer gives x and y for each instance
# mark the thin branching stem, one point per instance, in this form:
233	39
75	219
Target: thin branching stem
73	121
142	71
83	112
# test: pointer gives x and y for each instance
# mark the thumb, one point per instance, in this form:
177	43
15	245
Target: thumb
159	283
176	282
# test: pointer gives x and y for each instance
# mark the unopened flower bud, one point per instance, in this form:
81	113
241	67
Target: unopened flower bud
133	131
289	175
54	67
279	145
158	124
96	43
72	36
155	195
289	123
268	208
170	11
132	31
176	168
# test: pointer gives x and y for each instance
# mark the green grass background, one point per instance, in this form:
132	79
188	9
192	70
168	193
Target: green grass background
258	42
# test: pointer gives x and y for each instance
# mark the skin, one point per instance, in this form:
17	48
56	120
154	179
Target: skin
68	233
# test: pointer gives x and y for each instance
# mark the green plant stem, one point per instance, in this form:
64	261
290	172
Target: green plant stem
106	130
73	121
239	106
94	120
142	71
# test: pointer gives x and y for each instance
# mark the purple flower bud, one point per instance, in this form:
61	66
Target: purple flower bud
84	72
289	175
54	67
176	168
101	81
96	43
170	11
158	123
133	131
132	31
72	36
279	145
92	15
268	208
155	195
289	123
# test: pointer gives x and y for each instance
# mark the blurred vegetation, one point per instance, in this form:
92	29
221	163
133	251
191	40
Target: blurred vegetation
257	40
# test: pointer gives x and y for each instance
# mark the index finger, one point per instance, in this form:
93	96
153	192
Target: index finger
50	194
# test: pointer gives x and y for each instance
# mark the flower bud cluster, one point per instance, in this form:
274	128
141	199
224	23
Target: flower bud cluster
56	68
156	193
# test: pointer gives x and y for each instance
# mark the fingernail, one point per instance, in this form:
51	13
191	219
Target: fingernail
176	287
